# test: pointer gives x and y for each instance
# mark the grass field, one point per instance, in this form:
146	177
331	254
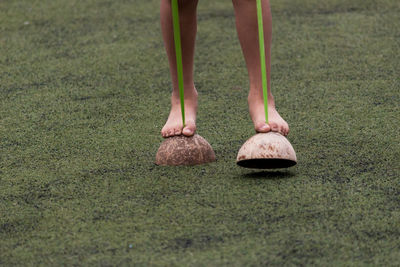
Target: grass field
84	92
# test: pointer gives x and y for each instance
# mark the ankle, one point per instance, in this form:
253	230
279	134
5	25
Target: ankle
190	94
258	94
258	98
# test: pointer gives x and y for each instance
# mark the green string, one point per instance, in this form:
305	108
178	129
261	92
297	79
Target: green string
262	57
178	52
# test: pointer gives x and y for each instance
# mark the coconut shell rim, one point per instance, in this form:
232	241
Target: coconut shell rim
260	163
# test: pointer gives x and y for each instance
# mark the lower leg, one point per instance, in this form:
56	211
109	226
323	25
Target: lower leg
188	28
247	28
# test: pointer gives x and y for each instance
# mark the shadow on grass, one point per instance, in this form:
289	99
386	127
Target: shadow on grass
270	175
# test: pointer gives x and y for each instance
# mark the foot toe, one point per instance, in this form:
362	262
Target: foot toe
274	126
282	131
188	132
164	133
285	131
189	129
262	127
178	131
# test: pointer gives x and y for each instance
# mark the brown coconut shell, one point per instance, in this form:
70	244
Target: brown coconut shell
183	150
267	151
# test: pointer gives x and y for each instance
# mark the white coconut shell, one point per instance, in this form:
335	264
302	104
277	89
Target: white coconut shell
266	151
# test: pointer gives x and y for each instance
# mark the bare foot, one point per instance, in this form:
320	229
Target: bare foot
257	113
174	125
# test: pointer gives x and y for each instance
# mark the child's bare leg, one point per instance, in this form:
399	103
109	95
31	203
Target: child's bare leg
246	24
187	17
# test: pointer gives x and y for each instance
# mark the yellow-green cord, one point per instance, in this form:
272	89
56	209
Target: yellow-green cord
178	52
262	57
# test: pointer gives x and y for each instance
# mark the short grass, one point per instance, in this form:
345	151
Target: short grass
84	91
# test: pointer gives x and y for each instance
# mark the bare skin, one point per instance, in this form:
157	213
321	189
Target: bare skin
188	23
173	126
247	28
246	24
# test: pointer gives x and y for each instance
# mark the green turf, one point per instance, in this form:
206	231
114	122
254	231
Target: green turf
84	92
